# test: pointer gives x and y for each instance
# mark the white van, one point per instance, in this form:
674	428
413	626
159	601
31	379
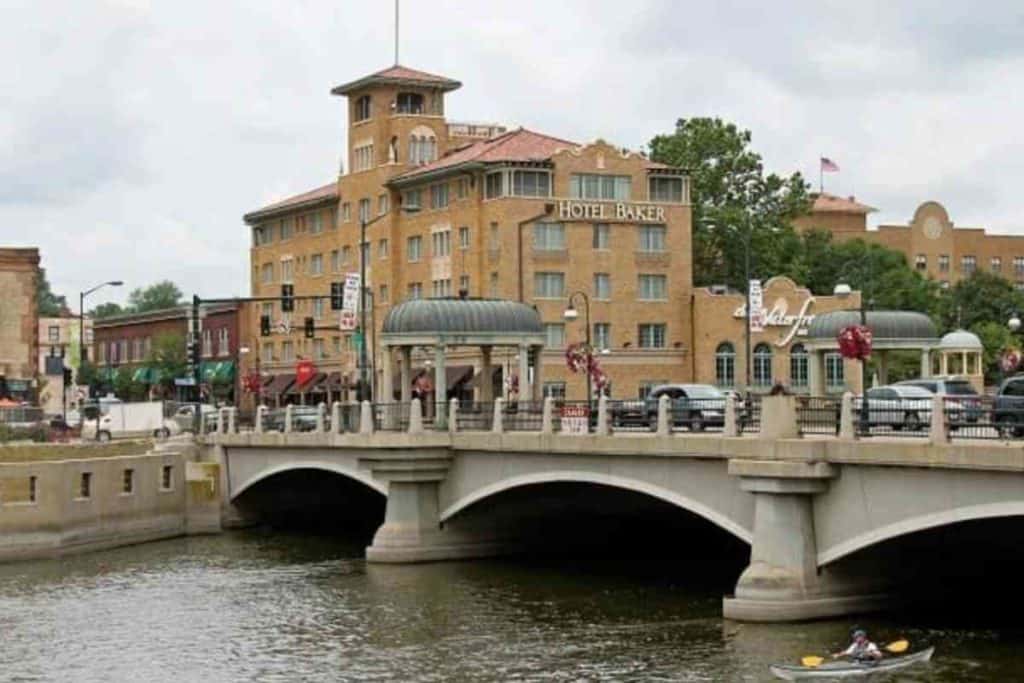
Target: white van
125	420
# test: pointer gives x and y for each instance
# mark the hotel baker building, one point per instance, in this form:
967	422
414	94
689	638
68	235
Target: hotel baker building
455	209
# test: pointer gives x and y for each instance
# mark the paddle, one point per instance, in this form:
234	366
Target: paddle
896	647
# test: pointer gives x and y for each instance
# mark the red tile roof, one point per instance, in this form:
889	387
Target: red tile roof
321	194
398	74
515	145
830	203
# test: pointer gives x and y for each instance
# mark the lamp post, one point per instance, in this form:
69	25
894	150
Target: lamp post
81	319
843	290
570	315
365	388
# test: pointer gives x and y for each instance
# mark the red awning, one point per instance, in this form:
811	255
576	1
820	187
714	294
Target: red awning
279	384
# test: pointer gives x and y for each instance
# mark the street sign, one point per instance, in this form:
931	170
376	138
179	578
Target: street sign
756	311
346	321
350	297
575	419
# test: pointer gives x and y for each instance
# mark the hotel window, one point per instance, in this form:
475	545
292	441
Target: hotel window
798	359
318	309
409	103
442	243
494	185
462	188
415	290
493	286
319	353
651	335
554	334
651	238
665	189
383	204
346	255
646	386
834	376
593	186
332	218
943	263
336	345
267	352
762	365
207	343
554	390
996	264
602	336
439	196
53	333
414	248
363	108
463	238
1018	266
602	235
531	183
287	268
383	248
287	351
725	365
968	264
286	229
412	199
346	212
422	147
921	262
362	157
316	264
548	236
267	309
223	339
463	285
442	288
602	286
364	210
335	261
652	288
384	294
549	285
315	222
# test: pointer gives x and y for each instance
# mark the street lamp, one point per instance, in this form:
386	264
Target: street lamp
365	388
81	319
572	314
843	291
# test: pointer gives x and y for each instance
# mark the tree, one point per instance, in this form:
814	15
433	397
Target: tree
107	310
995	338
983	297
731	194
164	294
50	305
167	358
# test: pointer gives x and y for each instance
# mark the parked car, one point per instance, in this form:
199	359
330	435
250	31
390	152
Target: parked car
899	407
303	419
1008	407
694	406
960	388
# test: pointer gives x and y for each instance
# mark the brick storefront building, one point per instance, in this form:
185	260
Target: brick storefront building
19	327
479	211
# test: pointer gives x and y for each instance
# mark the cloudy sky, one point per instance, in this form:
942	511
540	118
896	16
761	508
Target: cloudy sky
135	133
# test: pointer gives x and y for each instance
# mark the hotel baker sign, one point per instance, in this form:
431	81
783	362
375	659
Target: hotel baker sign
571	210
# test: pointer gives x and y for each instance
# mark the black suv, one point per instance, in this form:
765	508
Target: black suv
1008	408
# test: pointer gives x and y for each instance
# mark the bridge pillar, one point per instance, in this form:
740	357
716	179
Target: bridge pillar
783	581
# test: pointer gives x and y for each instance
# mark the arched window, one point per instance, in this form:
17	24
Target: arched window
422	145
393	150
798	366
762	365
834	379
363	108
725	365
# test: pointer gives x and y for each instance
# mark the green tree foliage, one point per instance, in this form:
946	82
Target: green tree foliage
107	310
167	357
731	193
50	305
164	294
981	298
996	338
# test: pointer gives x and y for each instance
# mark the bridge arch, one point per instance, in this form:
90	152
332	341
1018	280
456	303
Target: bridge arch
910	525
322	465
613	481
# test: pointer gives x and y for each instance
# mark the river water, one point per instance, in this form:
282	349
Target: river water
250	606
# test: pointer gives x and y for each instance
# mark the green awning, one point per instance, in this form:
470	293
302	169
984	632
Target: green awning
208	371
145	375
219	371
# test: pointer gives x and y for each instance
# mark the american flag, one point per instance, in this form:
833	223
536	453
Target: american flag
829	166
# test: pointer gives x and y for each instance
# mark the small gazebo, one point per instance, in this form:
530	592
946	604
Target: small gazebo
890	331
446	323
960	353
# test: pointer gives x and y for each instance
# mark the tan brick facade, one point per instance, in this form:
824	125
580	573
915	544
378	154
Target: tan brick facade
19	321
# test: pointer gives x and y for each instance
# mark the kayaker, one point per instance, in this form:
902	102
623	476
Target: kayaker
861	649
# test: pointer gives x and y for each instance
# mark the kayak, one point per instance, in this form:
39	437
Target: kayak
849	669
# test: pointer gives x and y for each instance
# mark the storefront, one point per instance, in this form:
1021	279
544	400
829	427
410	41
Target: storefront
778	339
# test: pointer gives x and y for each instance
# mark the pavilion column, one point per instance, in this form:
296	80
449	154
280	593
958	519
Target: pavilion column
388	370
525	390
945	363
926	363
406	373
486	375
440	388
538	377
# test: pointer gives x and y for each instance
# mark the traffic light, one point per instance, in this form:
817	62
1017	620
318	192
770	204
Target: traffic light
287	298
196	351
264	325
67	377
337	295
310	328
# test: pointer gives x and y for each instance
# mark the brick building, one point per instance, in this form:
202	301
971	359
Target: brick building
931	242
126	342
19	329
478	211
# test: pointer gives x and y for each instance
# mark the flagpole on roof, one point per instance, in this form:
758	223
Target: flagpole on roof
396	32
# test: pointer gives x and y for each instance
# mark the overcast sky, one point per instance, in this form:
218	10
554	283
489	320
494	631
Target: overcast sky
135	133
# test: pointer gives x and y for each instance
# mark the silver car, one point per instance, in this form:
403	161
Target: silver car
899	406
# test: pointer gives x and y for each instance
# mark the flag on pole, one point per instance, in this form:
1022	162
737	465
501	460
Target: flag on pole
829	166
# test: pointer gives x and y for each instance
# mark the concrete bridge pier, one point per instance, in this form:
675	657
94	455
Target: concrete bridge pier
783	581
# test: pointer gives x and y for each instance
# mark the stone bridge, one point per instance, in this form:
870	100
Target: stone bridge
805	506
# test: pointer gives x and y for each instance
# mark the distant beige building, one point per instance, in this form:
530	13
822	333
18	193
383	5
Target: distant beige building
58	349
19	313
931	242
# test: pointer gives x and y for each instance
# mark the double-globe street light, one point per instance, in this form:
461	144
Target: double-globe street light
843	291
81	320
571	313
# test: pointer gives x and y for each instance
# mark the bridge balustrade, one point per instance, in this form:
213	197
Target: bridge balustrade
984	417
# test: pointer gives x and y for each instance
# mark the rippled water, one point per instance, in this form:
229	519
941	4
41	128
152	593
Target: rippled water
250	607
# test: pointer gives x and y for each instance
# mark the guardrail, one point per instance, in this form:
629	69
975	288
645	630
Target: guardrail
984	417
20	415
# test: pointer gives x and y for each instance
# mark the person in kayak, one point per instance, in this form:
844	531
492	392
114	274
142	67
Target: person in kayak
861	649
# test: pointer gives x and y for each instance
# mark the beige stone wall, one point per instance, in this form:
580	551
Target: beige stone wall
19	271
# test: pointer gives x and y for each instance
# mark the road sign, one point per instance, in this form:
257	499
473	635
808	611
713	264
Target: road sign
756	311
347	321
350	298
575	419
